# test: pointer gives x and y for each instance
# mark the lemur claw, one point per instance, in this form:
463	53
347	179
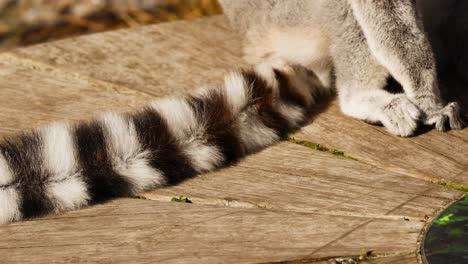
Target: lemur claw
450	114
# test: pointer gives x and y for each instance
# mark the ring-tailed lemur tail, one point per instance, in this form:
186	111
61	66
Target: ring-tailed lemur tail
63	167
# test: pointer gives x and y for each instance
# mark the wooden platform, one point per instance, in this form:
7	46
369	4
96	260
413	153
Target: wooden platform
288	204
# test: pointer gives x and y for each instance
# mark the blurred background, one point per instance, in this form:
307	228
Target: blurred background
26	22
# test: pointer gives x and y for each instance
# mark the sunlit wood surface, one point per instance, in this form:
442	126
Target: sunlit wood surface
287	204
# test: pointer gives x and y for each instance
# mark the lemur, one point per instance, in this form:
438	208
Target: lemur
354	46
302	50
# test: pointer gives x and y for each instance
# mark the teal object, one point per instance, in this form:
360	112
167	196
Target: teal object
446	240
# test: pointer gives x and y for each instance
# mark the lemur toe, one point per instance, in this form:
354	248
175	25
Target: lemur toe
448	117
401	117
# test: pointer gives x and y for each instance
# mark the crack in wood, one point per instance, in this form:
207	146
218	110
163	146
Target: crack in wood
332	258
266	206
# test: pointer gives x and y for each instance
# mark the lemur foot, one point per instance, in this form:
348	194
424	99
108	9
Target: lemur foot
401	116
450	114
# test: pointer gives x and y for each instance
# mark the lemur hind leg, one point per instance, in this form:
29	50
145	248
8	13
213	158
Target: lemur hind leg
360	82
396	39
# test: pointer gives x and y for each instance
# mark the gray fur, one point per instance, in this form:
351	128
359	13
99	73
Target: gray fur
363	43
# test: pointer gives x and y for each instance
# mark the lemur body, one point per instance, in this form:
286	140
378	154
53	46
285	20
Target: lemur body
355	46
352	45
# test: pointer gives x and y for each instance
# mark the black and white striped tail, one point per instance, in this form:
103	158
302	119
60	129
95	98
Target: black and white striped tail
62	167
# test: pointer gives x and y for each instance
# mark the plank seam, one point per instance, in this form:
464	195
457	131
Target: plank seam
321	259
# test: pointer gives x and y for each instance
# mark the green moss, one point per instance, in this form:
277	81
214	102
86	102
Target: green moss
364	254
450	218
181	199
455	186
319	147
446	238
141	197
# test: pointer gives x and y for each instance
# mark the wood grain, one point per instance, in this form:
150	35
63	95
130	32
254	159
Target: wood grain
163	59
431	156
137	231
294	178
287	203
32	95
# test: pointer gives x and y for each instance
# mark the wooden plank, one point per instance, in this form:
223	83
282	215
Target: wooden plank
32	95
137	231
436	155
160	59
374	235
294	178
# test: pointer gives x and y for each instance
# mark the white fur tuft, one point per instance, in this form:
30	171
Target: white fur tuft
204	157
9	198
254	135
6	176
66	188
236	91
265	70
128	158
293	114
9	205
68	194
189	132
58	151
